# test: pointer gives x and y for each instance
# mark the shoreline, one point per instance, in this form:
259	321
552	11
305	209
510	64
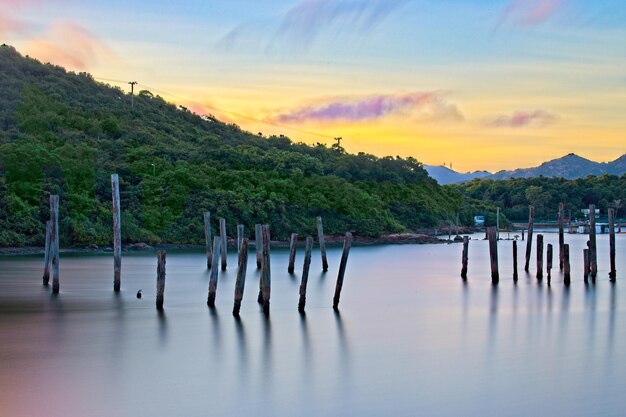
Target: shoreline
331	240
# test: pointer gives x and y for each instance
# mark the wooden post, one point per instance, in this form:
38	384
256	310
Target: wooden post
241	275
529	242
54	241
539	257
46	256
549	261
347	242
117	234
207	239
258	243
160	279
305	273
464	257
240	234
522	235
320	236
515	261
292	252
493	254
612	272
561	235
266	278
593	255
586	264
566	268
224	242
217	247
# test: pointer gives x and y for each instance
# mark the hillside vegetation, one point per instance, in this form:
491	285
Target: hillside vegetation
515	195
63	133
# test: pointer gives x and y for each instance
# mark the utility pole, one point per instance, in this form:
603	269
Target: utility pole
132	93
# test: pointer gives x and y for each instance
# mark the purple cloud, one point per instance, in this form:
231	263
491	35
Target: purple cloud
422	105
520	119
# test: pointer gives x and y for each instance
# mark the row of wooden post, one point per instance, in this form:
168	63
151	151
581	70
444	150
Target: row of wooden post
589	254
214	254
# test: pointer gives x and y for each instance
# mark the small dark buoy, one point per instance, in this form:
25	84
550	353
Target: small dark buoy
139	294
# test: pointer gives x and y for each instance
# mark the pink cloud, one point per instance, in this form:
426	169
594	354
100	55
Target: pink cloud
422	105
70	45
521	119
530	12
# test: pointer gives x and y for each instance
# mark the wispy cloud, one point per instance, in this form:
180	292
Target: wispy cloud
519	119
424	106
529	12
306	21
70	45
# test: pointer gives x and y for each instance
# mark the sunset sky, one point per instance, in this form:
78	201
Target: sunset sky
481	84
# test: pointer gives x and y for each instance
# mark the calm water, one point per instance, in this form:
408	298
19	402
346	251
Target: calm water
410	338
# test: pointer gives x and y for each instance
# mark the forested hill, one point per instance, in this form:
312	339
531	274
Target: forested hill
63	133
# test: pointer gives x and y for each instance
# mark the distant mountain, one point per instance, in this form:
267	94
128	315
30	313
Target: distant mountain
445	175
570	166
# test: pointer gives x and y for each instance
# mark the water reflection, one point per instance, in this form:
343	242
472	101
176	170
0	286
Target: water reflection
162	327
493	316
217	331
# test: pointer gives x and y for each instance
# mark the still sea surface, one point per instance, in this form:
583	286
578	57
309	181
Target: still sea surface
410	338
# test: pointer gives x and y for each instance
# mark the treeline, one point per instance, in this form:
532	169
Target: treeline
515	195
63	133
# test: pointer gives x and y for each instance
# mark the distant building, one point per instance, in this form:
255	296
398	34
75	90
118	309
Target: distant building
479	220
586	212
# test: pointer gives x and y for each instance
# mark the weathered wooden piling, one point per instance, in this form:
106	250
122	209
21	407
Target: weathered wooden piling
586	264
266	278
515	261
566	266
160	284
241	275
240	235
612	272
493	254
117	233
539	257
54	242
217	248
347	242
561	235
258	243
320	236
46	256
305	273
529	241
207	238
293	242
593	254
549	261
224	242
465	257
